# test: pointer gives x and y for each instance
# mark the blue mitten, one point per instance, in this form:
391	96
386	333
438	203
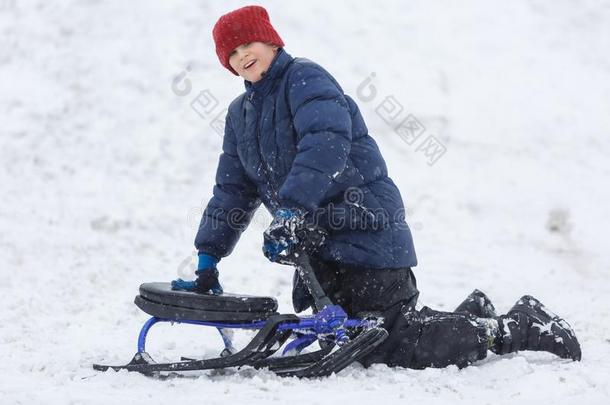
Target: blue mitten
287	230
207	278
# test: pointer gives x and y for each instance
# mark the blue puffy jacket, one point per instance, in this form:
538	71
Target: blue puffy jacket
294	139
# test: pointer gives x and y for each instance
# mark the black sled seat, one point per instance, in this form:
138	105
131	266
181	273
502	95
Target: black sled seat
159	300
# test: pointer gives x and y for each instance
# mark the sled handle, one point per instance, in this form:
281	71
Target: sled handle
303	266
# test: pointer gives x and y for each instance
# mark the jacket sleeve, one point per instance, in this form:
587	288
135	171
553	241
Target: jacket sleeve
234	201
323	124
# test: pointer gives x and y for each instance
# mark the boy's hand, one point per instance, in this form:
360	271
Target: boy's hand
207	278
287	230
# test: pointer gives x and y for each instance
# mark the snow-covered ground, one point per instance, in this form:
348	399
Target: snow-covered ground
105	166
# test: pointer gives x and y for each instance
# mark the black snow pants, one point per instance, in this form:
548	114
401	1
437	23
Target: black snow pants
417	338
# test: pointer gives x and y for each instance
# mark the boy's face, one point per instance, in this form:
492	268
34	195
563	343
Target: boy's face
242	58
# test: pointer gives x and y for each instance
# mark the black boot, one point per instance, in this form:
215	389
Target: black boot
477	304
529	325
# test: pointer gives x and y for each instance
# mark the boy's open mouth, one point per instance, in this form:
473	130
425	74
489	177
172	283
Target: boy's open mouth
249	64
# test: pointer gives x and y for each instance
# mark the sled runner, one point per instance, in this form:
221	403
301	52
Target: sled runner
342	340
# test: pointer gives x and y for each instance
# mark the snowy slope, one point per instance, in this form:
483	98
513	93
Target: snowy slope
104	168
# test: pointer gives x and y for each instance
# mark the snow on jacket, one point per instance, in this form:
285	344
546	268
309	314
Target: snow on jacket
294	139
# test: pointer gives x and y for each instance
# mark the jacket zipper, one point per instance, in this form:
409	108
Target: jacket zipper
266	169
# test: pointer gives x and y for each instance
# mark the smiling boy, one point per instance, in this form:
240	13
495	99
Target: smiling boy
295	142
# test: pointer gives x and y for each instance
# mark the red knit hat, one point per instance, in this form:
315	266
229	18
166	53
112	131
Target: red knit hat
246	24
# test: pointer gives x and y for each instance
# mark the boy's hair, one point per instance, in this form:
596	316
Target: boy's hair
246	24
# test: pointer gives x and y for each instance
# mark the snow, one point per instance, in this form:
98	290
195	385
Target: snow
106	163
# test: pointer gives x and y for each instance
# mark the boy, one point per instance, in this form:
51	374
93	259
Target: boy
296	143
